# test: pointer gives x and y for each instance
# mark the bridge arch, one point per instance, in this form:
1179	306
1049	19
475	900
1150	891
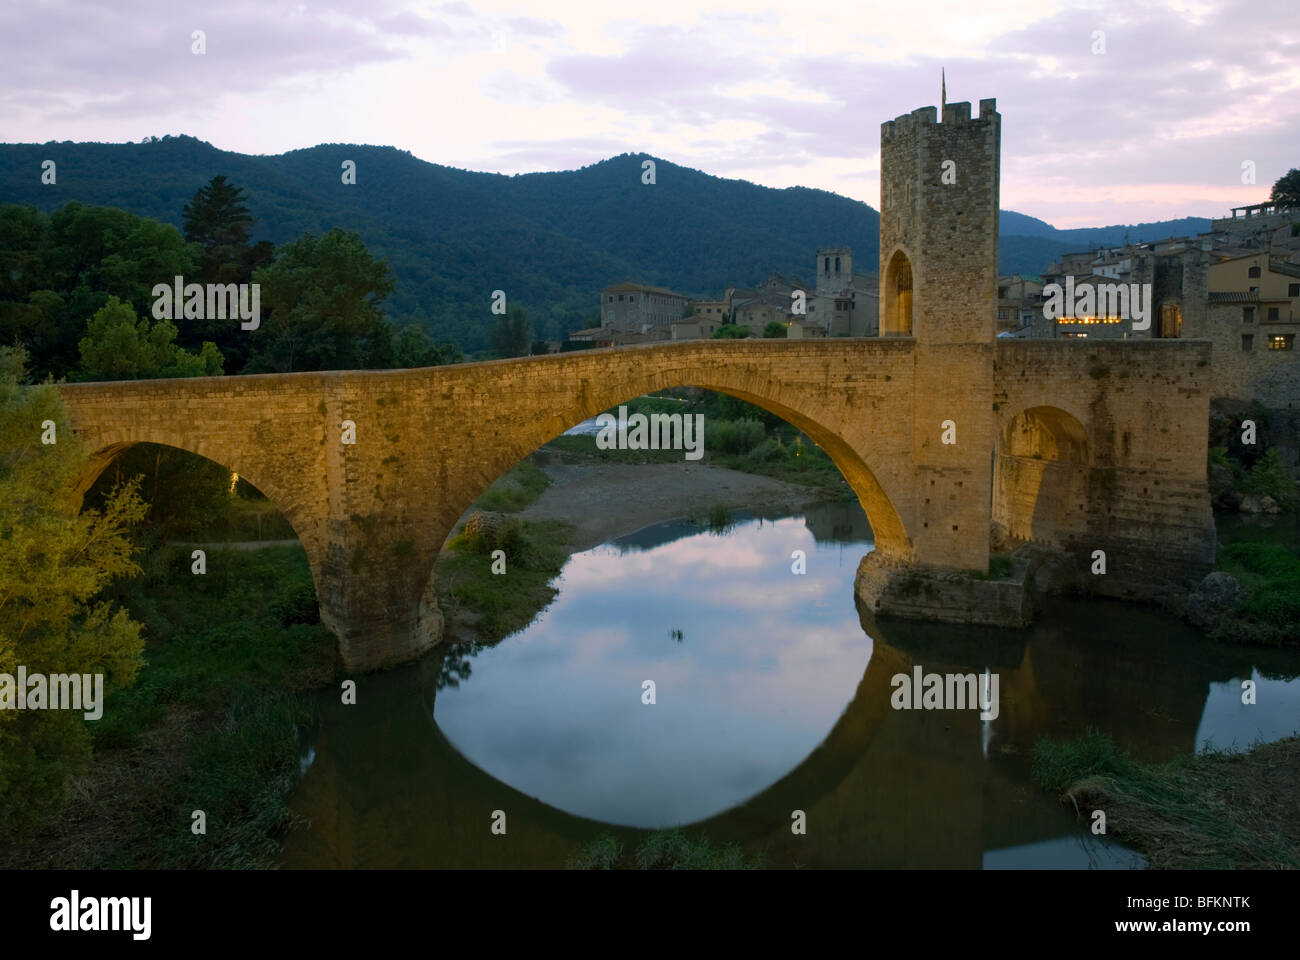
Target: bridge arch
890	534
1041	467
250	465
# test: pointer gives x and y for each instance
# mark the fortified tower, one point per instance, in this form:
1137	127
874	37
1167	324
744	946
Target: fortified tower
938	285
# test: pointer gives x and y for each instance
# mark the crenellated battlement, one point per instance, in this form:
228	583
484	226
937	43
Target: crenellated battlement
953	114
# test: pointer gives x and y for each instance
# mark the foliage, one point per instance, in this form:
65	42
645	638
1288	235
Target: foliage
1269	573
535	554
733	436
512	334
1203	812
117	346
775	330
56	271
1286	190
516	489
731	331
663	850
323	297
54	567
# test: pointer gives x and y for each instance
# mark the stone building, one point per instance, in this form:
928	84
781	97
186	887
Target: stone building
635	307
1019	301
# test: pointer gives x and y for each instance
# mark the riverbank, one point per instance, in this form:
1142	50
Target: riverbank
567	500
208	726
1212	811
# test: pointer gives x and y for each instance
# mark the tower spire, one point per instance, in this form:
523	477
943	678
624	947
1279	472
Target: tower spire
943	93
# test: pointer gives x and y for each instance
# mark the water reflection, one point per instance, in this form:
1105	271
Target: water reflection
773	698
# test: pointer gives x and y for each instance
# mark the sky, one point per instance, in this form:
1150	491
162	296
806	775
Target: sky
1112	112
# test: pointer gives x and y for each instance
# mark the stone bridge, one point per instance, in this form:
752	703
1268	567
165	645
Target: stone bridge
947	435
1077	445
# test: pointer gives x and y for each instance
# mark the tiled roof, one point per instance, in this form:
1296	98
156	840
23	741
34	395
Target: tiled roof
640	288
1232	297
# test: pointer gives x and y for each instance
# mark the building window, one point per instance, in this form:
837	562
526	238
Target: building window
1247	314
611	299
1272	314
1281	341
1073	335
837	264
1171	321
1293	289
1253	272
1247	342
826	268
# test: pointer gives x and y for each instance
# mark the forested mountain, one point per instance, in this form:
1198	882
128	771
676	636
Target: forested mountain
550	240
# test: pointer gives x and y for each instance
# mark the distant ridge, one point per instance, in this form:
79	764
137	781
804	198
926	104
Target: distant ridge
550	240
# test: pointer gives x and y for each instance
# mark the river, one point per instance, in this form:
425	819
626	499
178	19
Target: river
772	695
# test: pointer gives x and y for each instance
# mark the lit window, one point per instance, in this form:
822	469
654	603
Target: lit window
1281	341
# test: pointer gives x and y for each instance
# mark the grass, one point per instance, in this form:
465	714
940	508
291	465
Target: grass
999	569
663	850
1270	612
210	723
500	605
514	490
1214	810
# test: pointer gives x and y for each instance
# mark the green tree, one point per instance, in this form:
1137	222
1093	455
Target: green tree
1286	191
323	296
412	347
58	270
512	335
731	331
775	329
218	222
54	566
117	346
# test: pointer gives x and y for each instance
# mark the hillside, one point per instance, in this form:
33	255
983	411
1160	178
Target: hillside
550	240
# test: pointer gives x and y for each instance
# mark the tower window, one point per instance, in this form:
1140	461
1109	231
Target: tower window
1247	342
1247	314
826	268
837	264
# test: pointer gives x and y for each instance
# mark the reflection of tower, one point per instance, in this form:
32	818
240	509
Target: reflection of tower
938	285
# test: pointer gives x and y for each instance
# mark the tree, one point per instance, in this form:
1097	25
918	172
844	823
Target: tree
731	331
54	567
512	335
412	347
1286	191
775	329
117	346
323	296
218	222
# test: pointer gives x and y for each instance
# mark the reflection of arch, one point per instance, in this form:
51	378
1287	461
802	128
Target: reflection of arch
896	289
1040	482
370	753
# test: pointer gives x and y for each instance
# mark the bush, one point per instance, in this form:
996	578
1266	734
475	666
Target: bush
734	436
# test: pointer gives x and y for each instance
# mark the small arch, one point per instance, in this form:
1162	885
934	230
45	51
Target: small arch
896	311
1040	478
